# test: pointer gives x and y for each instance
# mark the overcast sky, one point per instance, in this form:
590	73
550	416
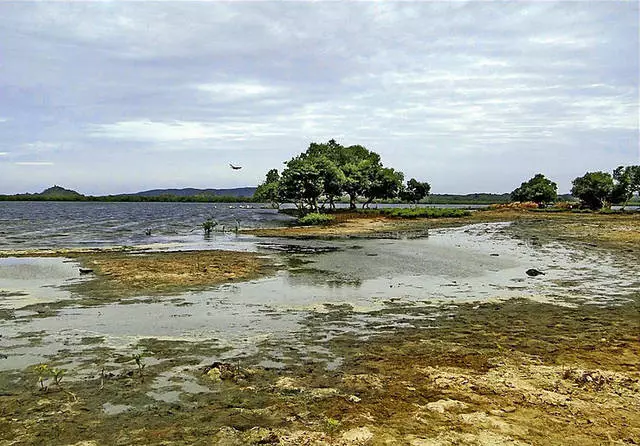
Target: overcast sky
113	96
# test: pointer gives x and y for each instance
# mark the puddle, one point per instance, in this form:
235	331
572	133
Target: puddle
27	281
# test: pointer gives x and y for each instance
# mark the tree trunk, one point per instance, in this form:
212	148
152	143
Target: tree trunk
352	202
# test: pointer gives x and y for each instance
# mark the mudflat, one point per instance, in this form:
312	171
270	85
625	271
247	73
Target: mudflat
558	364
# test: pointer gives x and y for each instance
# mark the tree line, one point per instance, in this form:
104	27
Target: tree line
595	190
164	198
324	173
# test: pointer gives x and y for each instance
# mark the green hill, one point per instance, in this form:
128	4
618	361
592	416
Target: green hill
57	192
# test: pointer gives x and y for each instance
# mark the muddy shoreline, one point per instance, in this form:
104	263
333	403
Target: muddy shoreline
499	371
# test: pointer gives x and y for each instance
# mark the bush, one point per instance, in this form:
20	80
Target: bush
316	218
514	205
425	212
566	205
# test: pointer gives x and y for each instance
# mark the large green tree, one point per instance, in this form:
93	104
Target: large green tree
327	171
302	183
594	189
538	189
269	191
415	191
383	183
626	184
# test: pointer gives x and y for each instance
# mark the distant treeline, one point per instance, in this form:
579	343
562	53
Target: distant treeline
479	198
130	198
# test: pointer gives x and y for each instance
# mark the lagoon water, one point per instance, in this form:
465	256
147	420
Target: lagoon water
45	225
88	224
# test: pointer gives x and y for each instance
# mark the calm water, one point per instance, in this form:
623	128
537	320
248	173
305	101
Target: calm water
69	224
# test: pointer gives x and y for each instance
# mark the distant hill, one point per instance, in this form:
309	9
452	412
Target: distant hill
59	192
191	192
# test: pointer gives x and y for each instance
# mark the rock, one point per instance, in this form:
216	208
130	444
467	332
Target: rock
288	385
85	270
359	435
442	406
534	272
509	409
354	399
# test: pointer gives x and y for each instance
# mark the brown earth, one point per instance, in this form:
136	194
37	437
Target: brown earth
614	230
170	271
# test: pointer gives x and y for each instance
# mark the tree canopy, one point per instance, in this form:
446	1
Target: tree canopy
594	189
538	189
626	184
328	171
415	191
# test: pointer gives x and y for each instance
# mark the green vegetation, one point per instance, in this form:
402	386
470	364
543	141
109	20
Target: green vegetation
208	226
268	192
538	189
477	198
316	218
168	198
46	373
137	357
594	189
325	173
627	183
415	191
424	212
598	190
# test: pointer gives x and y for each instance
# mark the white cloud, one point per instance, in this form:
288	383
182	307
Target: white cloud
40	146
34	163
4	153
448	83
239	90
178	131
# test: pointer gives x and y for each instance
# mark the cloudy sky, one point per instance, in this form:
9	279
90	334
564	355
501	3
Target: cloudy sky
476	96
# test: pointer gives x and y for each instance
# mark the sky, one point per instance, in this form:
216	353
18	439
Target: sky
471	96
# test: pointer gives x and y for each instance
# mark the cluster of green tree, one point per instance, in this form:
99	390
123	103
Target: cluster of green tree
481	198
169	198
595	190
325	173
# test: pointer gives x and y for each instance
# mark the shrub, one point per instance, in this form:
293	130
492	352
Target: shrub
514	205
208	226
425	212
567	205
316	218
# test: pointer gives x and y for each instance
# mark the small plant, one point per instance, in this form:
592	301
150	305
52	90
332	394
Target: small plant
316	218
46	373
332	425
137	357
208	226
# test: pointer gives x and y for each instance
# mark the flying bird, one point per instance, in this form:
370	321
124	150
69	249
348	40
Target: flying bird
235	167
